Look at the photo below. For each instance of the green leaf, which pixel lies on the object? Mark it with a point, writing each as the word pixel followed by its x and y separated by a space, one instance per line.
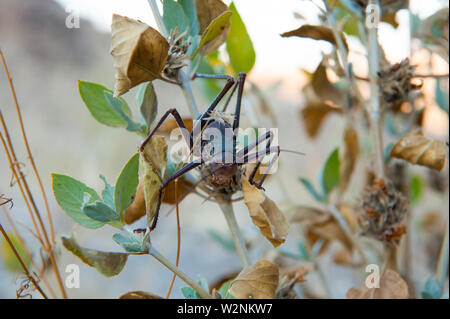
pixel 224 290
pixel 190 12
pixel 214 29
pixel 203 283
pixel 126 184
pixel 93 96
pixel 415 189
pixel 311 189
pixel 189 293
pixel 173 16
pixel 107 263
pixel 239 45
pixel 117 104
pixel 431 289
pixel 329 178
pixel 107 193
pixel 101 212
pixel 441 97
pixel 70 195
pixel 148 103
pixel 130 243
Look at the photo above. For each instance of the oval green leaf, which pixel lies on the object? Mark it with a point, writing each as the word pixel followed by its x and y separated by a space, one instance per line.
pixel 70 195
pixel 239 45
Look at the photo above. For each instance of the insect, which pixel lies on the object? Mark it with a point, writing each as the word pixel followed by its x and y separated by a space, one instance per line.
pixel 214 139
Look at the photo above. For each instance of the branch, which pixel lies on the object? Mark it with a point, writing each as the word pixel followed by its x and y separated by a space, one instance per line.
pixel 22 264
pixel 163 260
pixel 236 234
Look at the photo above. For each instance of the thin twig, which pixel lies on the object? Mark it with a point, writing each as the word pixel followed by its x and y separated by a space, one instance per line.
pixel 236 234
pixel 22 264
pixel 442 268
pixel 346 228
pixel 178 239
pixel 27 251
pixel 163 260
pixel 12 160
pixel 374 109
pixel 27 147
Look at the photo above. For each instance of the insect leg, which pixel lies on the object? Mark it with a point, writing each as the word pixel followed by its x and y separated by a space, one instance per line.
pixel 180 123
pixel 166 182
pixel 266 173
pixel 243 153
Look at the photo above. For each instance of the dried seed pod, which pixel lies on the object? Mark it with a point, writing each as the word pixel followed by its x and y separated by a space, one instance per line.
pixel 396 82
pixel 397 173
pixel 178 47
pixel 383 213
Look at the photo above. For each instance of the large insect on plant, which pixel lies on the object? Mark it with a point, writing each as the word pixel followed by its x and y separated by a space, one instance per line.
pixel 219 159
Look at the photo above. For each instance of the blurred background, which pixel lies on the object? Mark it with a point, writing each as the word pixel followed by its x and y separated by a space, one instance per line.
pixel 46 59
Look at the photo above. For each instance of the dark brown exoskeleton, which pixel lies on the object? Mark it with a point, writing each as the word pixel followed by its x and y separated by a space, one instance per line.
pixel 219 162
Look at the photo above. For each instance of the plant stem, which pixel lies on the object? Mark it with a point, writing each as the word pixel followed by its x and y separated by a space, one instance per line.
pixel 22 264
pixel 184 80
pixel 158 18
pixel 441 271
pixel 374 109
pixel 346 228
pixel 185 86
pixel 163 260
pixel 236 234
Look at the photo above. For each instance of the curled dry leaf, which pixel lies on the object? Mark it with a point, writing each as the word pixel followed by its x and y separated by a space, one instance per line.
pixel 348 162
pixel 208 10
pixel 139 53
pixel 392 286
pixel 316 32
pixel 153 161
pixel 214 19
pixel 107 263
pixel 265 214
pixel 137 208
pixel 323 225
pixel 259 281
pixel 418 149
pixel 139 295
pixel 215 34
pixel 323 88
pixel 314 114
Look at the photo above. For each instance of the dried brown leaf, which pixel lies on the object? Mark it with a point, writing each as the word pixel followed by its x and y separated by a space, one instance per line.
pixel 215 34
pixel 316 32
pixel 348 162
pixel 322 224
pixel 208 10
pixel 139 53
pixel 153 161
pixel 139 295
pixel 137 208
pixel 418 149
pixel 259 281
pixel 392 286
pixel 265 214
pixel 323 88
pixel 313 116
